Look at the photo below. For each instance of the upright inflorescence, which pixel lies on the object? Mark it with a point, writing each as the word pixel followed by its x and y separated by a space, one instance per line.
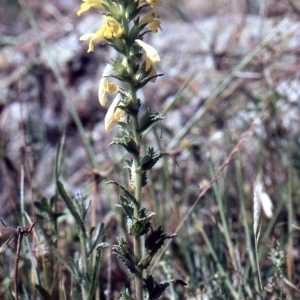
pixel 125 23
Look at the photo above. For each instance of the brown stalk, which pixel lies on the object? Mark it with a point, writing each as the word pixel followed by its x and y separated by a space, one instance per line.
pixel 21 232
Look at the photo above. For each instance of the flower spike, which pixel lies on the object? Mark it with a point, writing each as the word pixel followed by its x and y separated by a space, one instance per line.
pixel 124 25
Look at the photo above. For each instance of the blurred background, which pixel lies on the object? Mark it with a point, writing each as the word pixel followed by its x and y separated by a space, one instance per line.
pixel 225 63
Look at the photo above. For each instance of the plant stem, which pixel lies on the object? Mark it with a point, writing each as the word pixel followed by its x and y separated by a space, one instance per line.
pixel 138 280
pixel 20 238
pixel 138 196
pixel 257 264
pixel 82 238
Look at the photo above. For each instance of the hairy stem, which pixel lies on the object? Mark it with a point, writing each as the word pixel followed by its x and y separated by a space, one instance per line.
pixel 138 196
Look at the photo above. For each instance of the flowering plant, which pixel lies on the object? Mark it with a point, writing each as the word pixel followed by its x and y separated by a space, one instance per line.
pixel 124 29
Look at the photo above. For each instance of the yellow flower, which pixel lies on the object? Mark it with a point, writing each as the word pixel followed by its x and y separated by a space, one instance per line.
pixel 152 55
pixel 153 26
pixel 88 4
pixel 114 114
pixel 149 19
pixel 110 29
pixel 152 3
pixel 106 87
pixel 92 37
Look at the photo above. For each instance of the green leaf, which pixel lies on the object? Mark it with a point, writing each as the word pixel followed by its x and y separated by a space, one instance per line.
pixel 145 262
pixel 81 204
pixel 141 74
pixel 128 105
pixel 155 289
pixel 98 234
pixel 132 8
pixel 127 141
pixel 135 30
pixel 142 83
pixel 127 193
pixel 128 207
pixel 150 159
pixel 70 206
pixel 142 225
pixel 96 271
pixel 112 9
pixel 147 119
pixel 124 252
pixel 59 156
pixel 119 44
pixel 143 214
pixel 126 127
pixel 152 243
pixel 123 74
pixel 156 239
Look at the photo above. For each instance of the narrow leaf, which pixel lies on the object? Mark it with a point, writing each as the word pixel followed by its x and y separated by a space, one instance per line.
pixel 128 194
pixel 96 272
pixel 70 206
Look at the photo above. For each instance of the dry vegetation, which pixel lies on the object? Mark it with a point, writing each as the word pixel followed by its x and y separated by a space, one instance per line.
pixel 230 93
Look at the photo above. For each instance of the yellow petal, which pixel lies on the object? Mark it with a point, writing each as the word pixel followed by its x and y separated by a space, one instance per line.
pixel 88 4
pixel 152 55
pixel 119 115
pixel 102 95
pixel 109 120
pixel 111 28
pixel 106 87
pixel 94 3
pixel 87 36
pixel 152 3
pixel 153 26
pixel 149 17
pixel 84 7
pixel 92 37
pixel 110 87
